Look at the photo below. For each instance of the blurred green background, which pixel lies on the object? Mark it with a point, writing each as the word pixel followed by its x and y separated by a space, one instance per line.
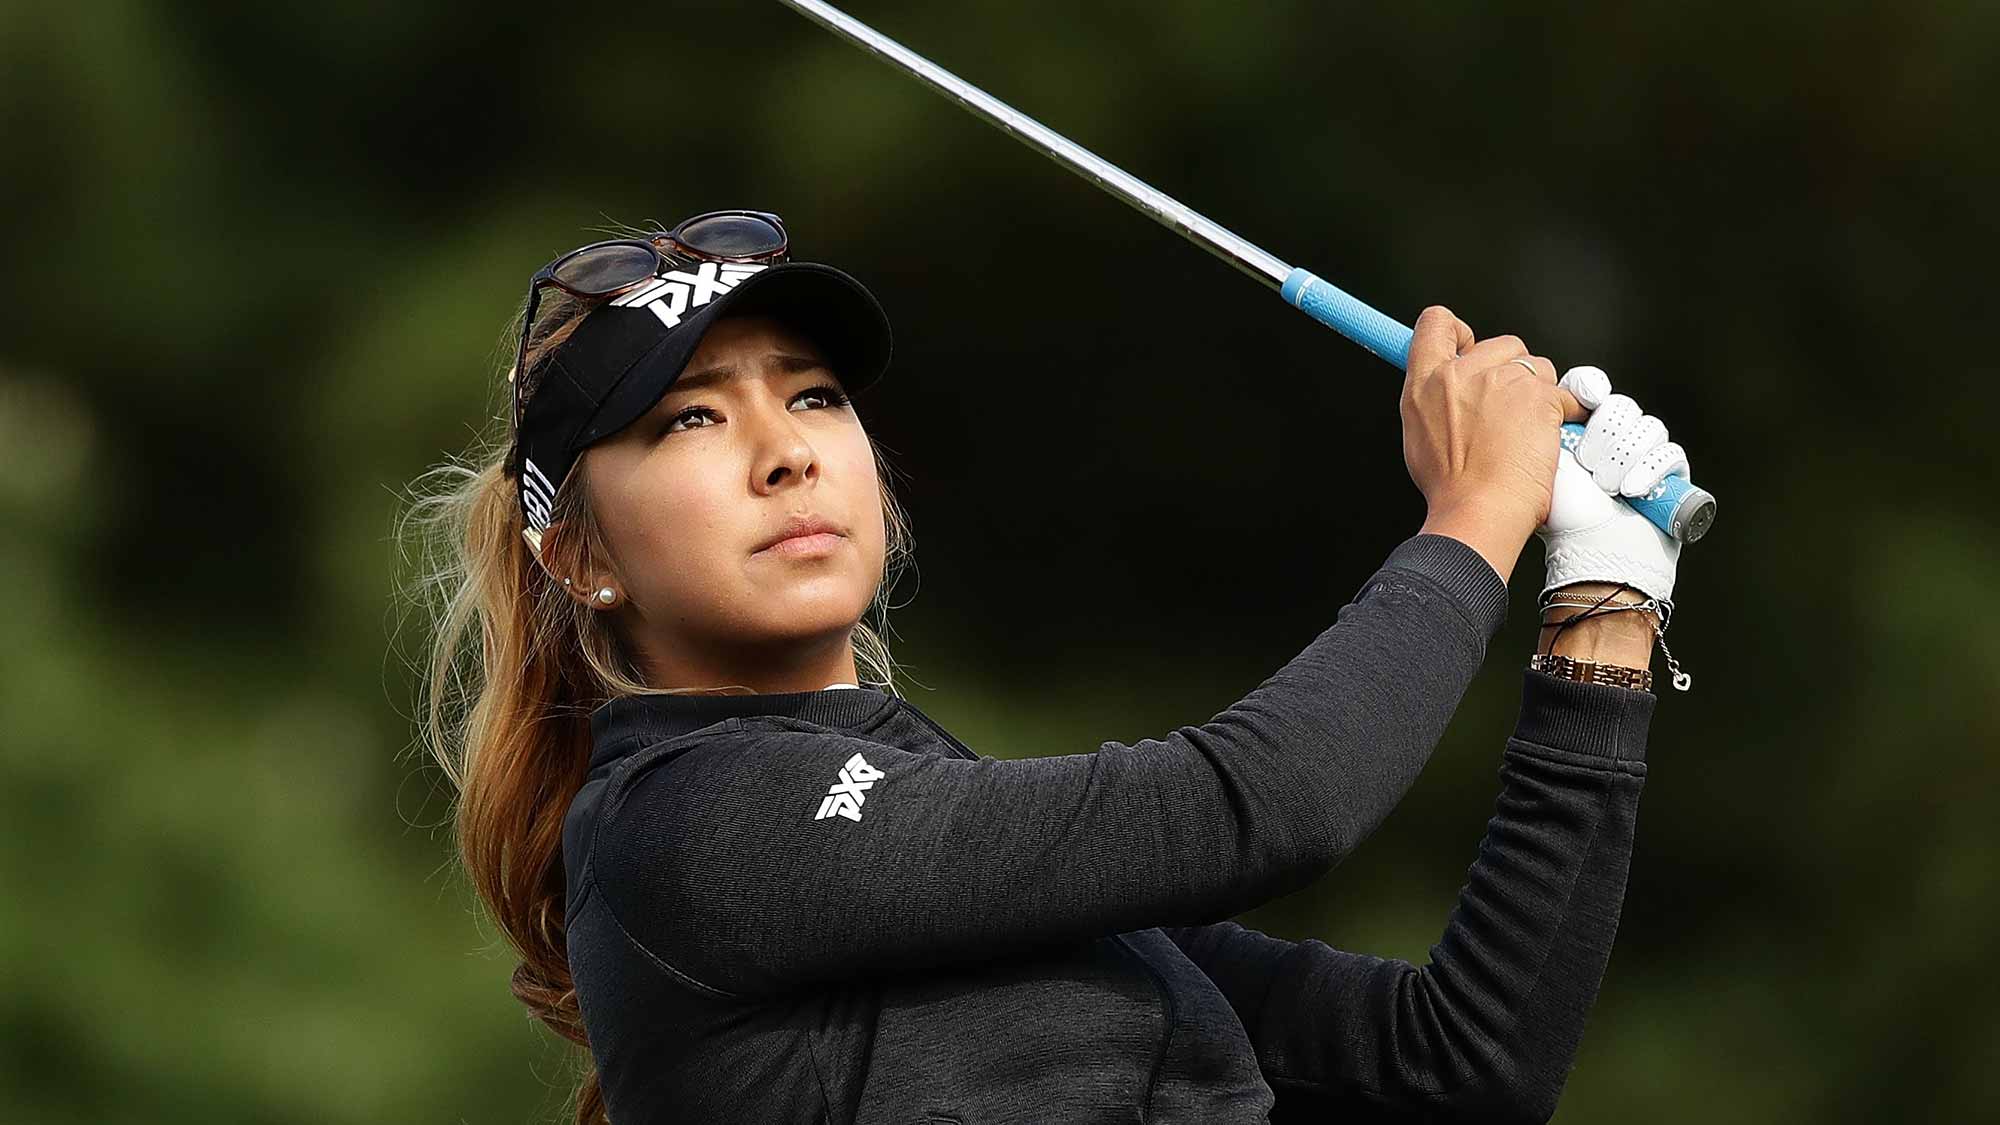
pixel 260 263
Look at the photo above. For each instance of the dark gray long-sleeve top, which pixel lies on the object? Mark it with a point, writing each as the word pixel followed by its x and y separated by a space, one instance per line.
pixel 821 907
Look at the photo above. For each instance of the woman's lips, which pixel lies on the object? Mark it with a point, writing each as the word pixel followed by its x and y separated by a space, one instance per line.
pixel 804 546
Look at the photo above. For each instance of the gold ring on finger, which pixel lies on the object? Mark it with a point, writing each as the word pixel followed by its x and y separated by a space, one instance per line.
pixel 1526 364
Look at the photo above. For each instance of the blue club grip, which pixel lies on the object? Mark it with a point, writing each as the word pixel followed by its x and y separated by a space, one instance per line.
pixel 1675 506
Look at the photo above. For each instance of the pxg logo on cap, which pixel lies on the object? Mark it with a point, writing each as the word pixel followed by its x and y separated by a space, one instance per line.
pixel 672 294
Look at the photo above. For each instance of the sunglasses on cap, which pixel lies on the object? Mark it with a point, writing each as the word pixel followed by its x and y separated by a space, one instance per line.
pixel 607 269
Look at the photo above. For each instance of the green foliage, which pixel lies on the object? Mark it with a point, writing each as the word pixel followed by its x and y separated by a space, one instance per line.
pixel 261 264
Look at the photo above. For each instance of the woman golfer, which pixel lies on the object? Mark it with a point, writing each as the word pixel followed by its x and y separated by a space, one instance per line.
pixel 760 886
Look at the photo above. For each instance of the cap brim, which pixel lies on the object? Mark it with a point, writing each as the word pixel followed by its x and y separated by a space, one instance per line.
pixel 827 306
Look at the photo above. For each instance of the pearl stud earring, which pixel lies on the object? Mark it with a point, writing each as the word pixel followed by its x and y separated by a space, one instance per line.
pixel 607 595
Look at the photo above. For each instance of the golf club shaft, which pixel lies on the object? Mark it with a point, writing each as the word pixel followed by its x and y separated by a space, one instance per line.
pixel 1676 507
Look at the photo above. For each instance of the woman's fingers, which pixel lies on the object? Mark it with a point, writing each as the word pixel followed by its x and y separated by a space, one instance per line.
pixel 1573 409
pixel 1623 453
pixel 1655 465
pixel 1589 385
pixel 1616 440
pixel 1542 371
pixel 1625 448
pixel 1492 352
pixel 1439 336
pixel 1604 439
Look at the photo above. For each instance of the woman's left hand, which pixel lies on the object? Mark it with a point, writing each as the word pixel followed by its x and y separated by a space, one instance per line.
pixel 1591 535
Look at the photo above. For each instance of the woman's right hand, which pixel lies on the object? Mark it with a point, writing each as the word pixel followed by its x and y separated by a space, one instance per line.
pixel 1481 433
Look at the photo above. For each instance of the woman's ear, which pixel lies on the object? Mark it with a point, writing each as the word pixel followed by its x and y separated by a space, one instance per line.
pixel 549 547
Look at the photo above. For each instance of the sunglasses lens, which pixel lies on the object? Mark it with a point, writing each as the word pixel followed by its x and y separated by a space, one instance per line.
pixel 732 236
pixel 601 269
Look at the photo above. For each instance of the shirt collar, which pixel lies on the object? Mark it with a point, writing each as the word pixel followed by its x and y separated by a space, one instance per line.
pixel 631 721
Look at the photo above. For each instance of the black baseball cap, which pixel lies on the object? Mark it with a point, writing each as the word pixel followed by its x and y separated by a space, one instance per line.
pixel 627 352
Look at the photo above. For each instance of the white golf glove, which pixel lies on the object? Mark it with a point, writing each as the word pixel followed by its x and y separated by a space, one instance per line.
pixel 1591 535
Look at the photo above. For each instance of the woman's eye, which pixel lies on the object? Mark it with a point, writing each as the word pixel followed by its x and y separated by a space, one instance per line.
pixel 689 414
pixel 825 392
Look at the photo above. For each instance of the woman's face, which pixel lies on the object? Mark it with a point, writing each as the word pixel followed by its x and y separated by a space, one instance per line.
pixel 690 494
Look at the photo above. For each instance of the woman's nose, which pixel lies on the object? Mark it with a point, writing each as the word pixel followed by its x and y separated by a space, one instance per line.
pixel 783 453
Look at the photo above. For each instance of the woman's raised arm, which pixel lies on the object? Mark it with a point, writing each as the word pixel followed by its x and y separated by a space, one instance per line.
pixel 709 851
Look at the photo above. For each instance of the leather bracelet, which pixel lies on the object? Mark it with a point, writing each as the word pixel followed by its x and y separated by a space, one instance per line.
pixel 1591 672
pixel 1659 612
